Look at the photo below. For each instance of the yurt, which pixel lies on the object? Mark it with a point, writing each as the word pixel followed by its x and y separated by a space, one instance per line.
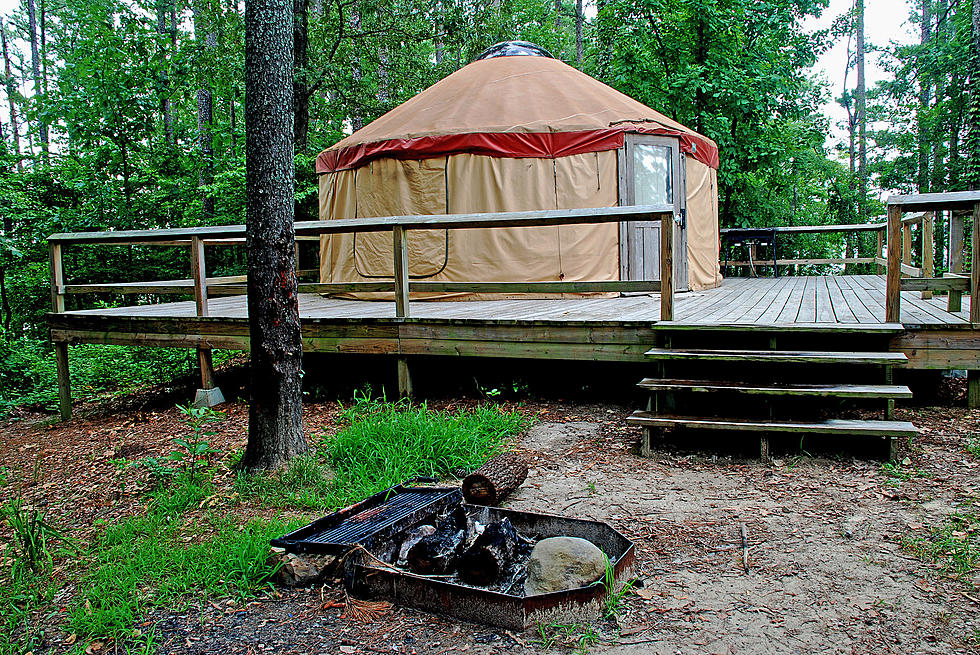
pixel 518 130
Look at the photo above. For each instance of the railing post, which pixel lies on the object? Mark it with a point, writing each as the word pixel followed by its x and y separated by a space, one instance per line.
pixel 907 244
pixel 928 249
pixel 881 250
pixel 60 347
pixel 955 302
pixel 667 267
pixel 209 394
pixel 893 276
pixel 400 247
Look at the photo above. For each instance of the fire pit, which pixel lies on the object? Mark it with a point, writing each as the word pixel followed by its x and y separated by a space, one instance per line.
pixel 370 538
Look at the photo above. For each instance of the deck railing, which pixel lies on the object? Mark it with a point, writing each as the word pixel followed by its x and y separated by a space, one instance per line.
pixel 899 258
pixel 773 233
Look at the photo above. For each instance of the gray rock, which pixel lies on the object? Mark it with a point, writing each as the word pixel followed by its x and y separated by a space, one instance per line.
pixel 299 570
pixel 559 563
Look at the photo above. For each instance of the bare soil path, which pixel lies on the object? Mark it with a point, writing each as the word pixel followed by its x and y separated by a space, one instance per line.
pixel 830 568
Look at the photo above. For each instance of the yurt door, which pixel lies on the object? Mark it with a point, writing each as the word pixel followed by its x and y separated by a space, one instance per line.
pixel 651 172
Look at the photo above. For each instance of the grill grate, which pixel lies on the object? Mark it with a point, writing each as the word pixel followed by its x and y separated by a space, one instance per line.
pixel 370 521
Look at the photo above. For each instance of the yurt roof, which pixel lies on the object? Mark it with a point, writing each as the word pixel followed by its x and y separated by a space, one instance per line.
pixel 510 106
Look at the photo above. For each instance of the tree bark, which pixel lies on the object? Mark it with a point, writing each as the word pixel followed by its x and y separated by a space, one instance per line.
pixel 925 34
pixel 579 17
pixel 495 480
pixel 9 80
pixel 301 93
pixel 275 425
pixel 861 111
pixel 205 111
pixel 164 9
pixel 42 126
pixel 483 563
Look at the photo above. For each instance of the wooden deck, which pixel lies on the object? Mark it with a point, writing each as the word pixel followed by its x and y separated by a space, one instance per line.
pixel 599 328
pixel 848 300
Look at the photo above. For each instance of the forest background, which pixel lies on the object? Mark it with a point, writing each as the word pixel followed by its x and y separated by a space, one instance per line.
pixel 128 114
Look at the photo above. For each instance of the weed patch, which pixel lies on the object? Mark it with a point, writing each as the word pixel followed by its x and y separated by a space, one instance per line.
pixel 954 546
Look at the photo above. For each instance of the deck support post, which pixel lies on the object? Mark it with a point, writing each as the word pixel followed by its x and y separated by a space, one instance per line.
pixel 928 249
pixel 60 347
pixel 973 389
pixel 893 276
pixel 975 268
pixel 667 267
pixel 400 247
pixel 64 379
pixel 955 302
pixel 209 394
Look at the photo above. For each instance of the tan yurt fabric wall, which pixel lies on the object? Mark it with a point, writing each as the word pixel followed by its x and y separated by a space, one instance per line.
pixel 467 183
pixel 703 239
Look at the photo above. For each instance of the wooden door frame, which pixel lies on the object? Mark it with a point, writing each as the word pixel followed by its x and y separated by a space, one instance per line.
pixel 627 196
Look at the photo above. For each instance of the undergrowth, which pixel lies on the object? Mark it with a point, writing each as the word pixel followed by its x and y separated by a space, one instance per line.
pixel 954 546
pixel 28 374
pixel 382 444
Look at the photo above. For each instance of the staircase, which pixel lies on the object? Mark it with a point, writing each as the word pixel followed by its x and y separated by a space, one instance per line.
pixel 772 380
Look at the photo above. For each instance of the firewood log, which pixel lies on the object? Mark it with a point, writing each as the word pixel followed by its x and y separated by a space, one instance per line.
pixel 437 553
pixel 495 480
pixel 483 563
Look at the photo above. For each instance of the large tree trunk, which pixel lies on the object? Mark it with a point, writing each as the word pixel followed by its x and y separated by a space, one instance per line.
pixel 42 126
pixel 301 92
pixel 164 10
pixel 275 422
pixel 9 80
pixel 925 34
pixel 862 116
pixel 205 111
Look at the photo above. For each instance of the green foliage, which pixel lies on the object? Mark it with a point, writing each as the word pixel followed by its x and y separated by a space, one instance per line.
pixel 387 443
pixel 159 558
pixel 195 451
pixel 34 536
pixel 20 598
pixel 382 445
pixel 954 546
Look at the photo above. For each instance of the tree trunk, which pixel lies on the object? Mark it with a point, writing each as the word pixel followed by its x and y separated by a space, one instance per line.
pixel 579 17
pixel 9 80
pixel 164 8
pixel 973 134
pixel 925 33
pixel 42 126
pixel 495 480
pixel 205 112
pixel 557 14
pixel 301 93
pixel 8 233
pixel 275 422
pixel 938 173
pixel 862 117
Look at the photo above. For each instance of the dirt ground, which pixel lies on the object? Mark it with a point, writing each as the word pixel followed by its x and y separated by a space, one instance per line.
pixel 827 571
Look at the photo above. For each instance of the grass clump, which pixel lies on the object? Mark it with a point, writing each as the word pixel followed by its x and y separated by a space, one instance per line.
pixel 954 546
pixel 158 559
pixel 381 444
pixel 387 443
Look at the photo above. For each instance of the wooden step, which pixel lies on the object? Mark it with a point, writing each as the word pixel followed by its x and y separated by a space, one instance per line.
pixel 756 328
pixel 779 356
pixel 836 427
pixel 882 391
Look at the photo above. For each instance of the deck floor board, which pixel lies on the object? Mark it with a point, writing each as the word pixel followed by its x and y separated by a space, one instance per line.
pixel 848 299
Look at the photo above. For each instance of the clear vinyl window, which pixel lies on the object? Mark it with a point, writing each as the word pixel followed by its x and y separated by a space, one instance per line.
pixel 652 175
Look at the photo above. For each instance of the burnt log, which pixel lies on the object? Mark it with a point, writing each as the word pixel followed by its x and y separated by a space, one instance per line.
pixel 485 561
pixel 436 554
pixel 495 480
